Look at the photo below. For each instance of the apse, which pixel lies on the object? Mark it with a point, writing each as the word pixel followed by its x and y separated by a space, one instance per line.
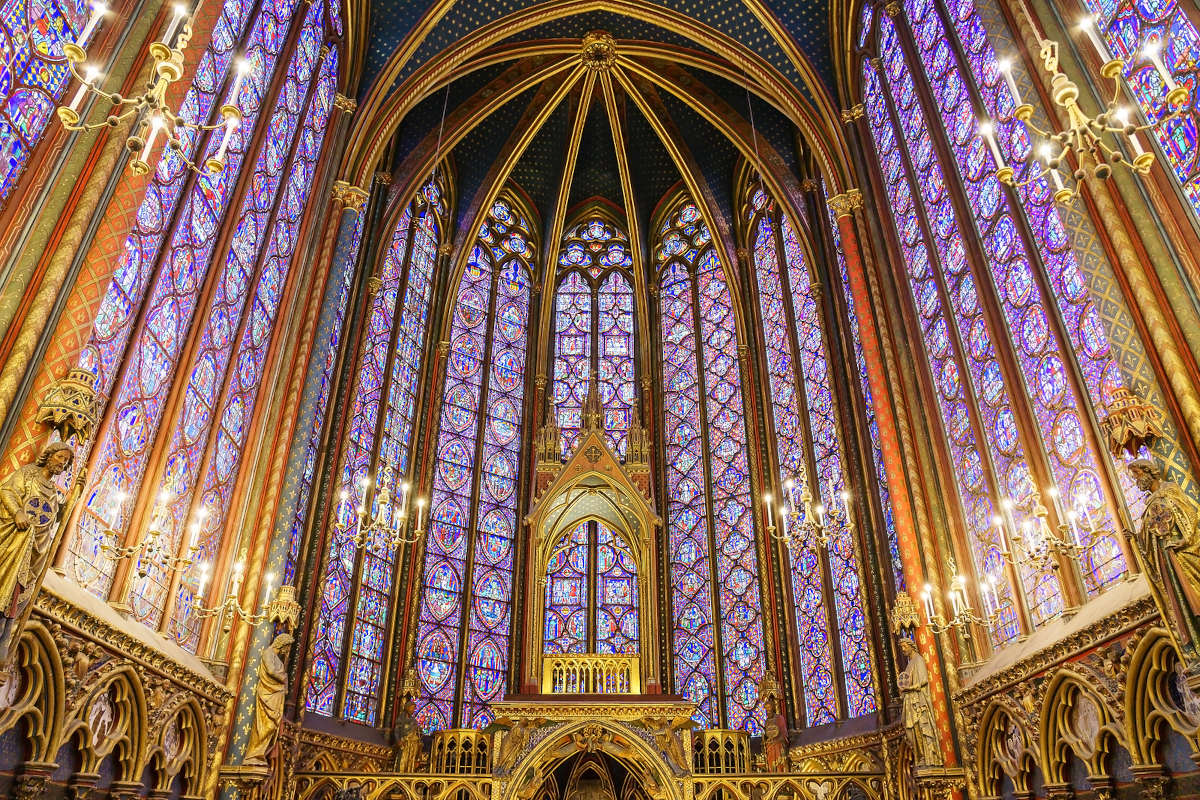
pixel 627 400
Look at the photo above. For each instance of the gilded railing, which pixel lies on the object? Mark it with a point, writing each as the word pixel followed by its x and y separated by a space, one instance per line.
pixel 720 752
pixel 591 673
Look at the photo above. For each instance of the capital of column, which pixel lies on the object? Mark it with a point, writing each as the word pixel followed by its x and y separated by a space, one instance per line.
pixel 892 8
pixel 809 185
pixel 343 103
pixel 351 197
pixel 854 112
pixel 384 178
pixel 846 203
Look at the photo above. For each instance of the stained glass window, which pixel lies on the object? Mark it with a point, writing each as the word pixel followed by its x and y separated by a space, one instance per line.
pixel 135 412
pixel 944 358
pixel 591 593
pixel 241 270
pixel 33 76
pixel 372 484
pixel 1128 27
pixel 465 608
pixel 990 374
pixel 806 418
pixel 593 331
pixel 1044 357
pixel 187 489
pixel 717 638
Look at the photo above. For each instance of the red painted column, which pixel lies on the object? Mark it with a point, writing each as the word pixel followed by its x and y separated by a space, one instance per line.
pixel 844 206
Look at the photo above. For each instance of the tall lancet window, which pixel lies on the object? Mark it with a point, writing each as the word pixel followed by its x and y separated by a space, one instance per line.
pixel 466 601
pixel 182 337
pixel 374 475
pixel 591 593
pixel 1014 344
pixel 717 635
pixel 835 659
pixel 593 330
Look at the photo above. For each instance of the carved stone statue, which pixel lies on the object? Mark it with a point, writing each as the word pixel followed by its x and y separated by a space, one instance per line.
pixel 30 521
pixel 514 742
pixel 1168 542
pixel 666 735
pixel 917 708
pixel 407 738
pixel 268 700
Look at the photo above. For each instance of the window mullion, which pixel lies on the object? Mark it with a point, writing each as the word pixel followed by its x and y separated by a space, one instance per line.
pixel 709 506
pixel 485 385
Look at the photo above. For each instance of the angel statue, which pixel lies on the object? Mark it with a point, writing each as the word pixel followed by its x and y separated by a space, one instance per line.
pixel 514 741
pixel 666 735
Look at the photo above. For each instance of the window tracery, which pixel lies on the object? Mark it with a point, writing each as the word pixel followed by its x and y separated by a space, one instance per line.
pixel 174 432
pixel 594 330
pixel 464 619
pixel 718 637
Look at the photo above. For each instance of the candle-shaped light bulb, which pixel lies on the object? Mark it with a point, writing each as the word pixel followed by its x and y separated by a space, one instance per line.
pixel 241 68
pixel 420 512
pixel 819 510
pixel 1073 521
pixel 98 12
pixel 1153 52
pixel 1135 141
pixel 156 126
pixel 1047 155
pixel 988 131
pixel 1090 25
pixel 231 125
pixel 1056 496
pixel 90 75
pixel 178 13
pixel 1005 66
pixel 202 580
pixel 927 597
pixel 404 487
pixel 268 582
pixel 790 486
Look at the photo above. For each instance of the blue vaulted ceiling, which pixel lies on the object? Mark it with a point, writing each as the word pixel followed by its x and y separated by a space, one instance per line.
pixel 806 21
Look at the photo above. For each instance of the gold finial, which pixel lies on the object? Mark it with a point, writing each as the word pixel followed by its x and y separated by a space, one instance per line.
pixel 1130 423
pixel 70 405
